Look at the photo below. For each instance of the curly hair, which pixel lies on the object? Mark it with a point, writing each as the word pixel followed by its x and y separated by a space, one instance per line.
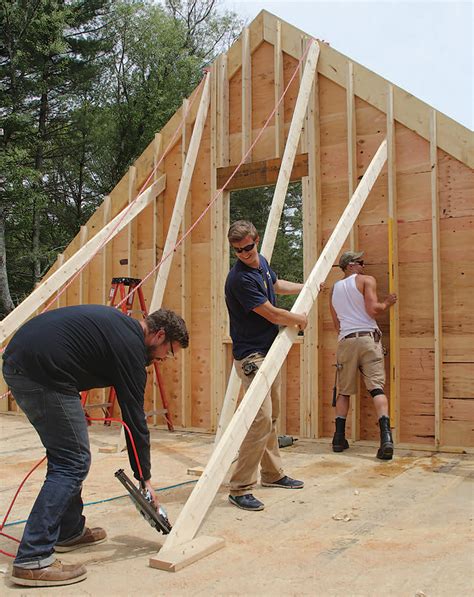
pixel 240 229
pixel 172 324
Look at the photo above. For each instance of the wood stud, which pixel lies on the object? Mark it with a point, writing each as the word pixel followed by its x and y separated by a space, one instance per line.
pixel 394 353
pixel 246 95
pixel 435 237
pixel 186 281
pixel 351 186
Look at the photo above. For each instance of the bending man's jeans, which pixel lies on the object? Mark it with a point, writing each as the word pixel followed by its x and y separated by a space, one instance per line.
pixel 57 512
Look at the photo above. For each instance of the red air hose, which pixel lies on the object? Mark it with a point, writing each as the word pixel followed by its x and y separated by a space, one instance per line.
pixel 135 453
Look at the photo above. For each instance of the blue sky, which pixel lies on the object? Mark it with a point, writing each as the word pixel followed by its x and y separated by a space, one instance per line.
pixel 423 46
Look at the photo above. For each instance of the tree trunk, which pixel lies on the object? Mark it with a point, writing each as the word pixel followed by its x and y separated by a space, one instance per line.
pixel 35 242
pixel 6 303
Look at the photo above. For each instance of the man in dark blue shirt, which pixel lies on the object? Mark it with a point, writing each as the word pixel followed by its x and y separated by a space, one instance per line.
pixel 254 319
pixel 47 363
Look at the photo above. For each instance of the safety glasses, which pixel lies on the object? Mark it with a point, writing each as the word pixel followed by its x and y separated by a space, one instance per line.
pixel 247 248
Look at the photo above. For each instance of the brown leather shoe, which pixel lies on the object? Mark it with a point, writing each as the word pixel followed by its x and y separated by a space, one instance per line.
pixel 89 537
pixel 50 576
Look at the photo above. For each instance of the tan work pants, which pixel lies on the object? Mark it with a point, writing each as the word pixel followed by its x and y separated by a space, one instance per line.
pixel 260 446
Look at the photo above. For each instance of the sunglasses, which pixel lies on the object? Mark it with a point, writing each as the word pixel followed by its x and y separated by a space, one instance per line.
pixel 247 248
pixel 359 261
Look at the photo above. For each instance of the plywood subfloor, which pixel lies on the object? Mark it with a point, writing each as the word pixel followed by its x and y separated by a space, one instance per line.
pixel 359 527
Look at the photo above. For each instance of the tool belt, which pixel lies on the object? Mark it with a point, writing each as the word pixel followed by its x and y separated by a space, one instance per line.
pixel 376 335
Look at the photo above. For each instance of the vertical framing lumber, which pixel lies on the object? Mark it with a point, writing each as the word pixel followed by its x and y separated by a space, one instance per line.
pixel 394 356
pixel 217 348
pixel 219 226
pixel 83 276
pixel 308 350
pixel 230 394
pixel 106 252
pixel 132 228
pixel 183 189
pixel 196 507
pixel 281 425
pixel 43 292
pixel 186 265
pixel 435 238
pixel 59 300
pixel 311 187
pixel 106 269
pixel 351 145
pixel 278 90
pixel 223 152
pixel 351 186
pixel 246 94
pixel 157 150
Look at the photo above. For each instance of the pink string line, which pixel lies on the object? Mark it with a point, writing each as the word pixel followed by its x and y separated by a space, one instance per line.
pixel 221 190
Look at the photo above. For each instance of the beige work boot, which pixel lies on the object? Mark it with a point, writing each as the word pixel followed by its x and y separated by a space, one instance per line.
pixel 55 575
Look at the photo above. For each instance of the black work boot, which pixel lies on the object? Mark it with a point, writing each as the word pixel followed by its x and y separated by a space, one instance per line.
pixel 385 452
pixel 339 441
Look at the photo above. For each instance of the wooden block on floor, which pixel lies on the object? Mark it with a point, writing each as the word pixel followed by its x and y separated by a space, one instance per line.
pixel 183 555
pixel 196 471
pixel 108 449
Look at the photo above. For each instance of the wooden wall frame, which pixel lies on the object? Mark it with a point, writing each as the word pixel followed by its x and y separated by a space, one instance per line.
pixel 413 227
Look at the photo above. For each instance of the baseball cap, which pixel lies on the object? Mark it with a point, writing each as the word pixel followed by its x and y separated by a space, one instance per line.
pixel 349 256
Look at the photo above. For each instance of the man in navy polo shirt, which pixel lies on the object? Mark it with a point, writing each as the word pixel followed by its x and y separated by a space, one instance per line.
pixel 254 319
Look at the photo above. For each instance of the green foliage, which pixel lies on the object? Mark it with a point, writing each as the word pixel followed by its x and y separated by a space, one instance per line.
pixel 287 260
pixel 84 86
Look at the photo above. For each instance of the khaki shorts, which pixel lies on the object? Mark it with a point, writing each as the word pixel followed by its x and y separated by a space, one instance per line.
pixel 361 353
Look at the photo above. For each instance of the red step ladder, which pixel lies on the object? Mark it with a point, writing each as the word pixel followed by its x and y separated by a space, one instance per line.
pixel 133 288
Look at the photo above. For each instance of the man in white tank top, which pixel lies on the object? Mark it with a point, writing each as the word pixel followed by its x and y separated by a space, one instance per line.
pixel 354 305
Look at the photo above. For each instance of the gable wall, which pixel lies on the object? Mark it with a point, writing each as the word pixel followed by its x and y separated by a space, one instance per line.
pixel 192 383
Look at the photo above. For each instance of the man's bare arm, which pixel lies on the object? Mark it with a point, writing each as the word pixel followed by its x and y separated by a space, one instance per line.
pixel 335 319
pixel 281 316
pixel 286 287
pixel 372 304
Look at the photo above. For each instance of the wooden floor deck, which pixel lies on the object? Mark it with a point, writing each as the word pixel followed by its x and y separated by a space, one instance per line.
pixel 359 527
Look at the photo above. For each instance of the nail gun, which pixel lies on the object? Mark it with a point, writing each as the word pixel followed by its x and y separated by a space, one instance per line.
pixel 143 502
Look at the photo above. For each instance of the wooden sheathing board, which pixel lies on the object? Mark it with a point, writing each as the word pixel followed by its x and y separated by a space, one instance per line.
pixel 456 207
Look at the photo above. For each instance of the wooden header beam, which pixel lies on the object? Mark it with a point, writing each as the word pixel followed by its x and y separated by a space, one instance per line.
pixel 260 174
pixel 192 515
pixel 41 294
